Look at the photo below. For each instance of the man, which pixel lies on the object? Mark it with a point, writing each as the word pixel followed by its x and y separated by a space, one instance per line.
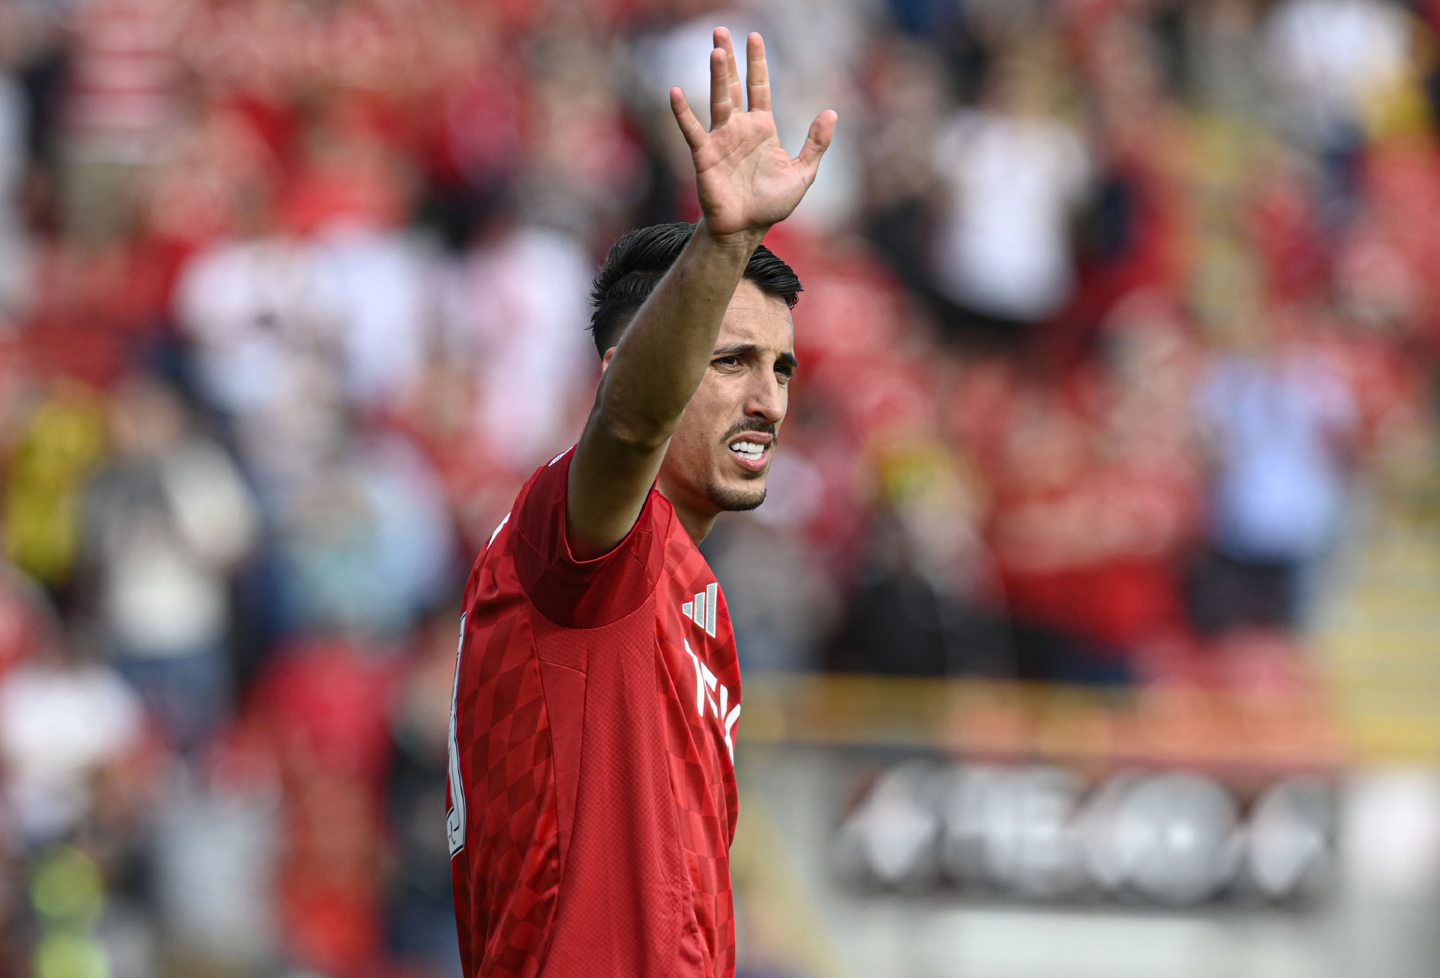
pixel 592 794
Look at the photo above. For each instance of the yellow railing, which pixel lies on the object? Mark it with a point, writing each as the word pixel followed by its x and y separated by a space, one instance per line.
pixel 1181 726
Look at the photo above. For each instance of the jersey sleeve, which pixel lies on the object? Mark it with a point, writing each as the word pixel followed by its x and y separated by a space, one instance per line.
pixel 583 593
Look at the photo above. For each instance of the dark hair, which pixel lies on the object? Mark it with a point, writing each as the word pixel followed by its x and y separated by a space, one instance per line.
pixel 641 258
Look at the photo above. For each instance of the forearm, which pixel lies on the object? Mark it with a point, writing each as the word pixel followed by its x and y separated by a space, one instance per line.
pixel 665 350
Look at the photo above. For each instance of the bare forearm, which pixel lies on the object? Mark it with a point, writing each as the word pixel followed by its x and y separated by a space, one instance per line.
pixel 664 351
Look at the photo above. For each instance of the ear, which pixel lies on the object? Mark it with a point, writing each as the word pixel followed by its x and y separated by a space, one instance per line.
pixel 605 360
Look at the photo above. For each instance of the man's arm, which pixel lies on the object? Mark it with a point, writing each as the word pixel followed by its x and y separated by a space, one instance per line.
pixel 746 183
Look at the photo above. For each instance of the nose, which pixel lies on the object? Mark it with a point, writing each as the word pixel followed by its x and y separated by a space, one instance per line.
pixel 767 398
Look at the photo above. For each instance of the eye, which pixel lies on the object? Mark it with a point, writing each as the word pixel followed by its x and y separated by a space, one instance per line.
pixel 785 372
pixel 729 361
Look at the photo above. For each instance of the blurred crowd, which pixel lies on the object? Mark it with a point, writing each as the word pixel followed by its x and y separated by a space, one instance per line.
pixel 1115 311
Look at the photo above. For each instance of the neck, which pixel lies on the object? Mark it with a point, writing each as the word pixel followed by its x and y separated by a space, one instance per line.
pixel 697 523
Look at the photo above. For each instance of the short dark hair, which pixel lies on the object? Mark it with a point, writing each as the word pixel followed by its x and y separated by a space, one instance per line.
pixel 641 258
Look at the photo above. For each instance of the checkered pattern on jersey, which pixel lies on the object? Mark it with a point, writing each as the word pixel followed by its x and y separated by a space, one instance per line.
pixel 701 772
pixel 701 807
pixel 513 842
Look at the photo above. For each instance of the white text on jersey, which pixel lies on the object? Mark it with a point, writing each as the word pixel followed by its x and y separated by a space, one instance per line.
pixel 707 686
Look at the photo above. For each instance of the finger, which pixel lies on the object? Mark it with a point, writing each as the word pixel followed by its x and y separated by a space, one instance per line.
pixel 690 126
pixel 817 141
pixel 720 101
pixel 757 73
pixel 732 68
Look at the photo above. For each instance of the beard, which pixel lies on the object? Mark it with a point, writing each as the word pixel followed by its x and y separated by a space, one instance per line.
pixel 742 499
pixel 731 499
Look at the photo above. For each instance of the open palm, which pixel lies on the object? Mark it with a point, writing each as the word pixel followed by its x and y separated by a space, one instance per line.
pixel 744 178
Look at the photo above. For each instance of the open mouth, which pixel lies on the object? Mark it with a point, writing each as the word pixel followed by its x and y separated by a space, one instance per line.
pixel 750 451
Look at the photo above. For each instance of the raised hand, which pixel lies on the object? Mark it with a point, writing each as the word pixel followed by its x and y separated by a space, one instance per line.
pixel 745 180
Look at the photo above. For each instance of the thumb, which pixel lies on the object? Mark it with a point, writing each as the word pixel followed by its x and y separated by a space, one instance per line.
pixel 817 141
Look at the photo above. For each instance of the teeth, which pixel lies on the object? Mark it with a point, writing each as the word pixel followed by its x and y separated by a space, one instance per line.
pixel 748 449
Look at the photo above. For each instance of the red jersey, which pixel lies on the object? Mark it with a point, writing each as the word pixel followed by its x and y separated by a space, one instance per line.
pixel 592 791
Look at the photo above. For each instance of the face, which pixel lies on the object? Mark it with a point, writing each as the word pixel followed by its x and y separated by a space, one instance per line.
pixel 720 454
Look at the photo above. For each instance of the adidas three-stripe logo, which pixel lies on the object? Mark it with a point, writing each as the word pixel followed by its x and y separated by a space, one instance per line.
pixel 701 609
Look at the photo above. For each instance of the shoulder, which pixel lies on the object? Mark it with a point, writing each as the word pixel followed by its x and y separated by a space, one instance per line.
pixel 585 593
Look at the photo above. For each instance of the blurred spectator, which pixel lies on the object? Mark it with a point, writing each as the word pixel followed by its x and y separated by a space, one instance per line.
pixel 259 317
pixel 906 88
pixel 212 866
pixel 1096 502
pixel 583 161
pixel 1221 55
pixel 14 281
pixel 65 719
pixel 123 94
pixel 420 922
pixel 1133 232
pixel 366 544
pixel 1331 61
pixel 924 602
pixel 1281 434
pixel 58 443
pixel 1014 176
pixel 531 382
pixel 167 520
pixel 320 716
pixel 28 621
pixel 783 606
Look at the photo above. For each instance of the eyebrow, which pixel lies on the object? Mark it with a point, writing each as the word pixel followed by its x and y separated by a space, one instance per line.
pixel 786 359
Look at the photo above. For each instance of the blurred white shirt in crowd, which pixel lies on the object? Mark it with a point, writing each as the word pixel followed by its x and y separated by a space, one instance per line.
pixel 59 725
pixel 1331 55
pixel 1280 427
pixel 265 313
pixel 1002 244
pixel 518 312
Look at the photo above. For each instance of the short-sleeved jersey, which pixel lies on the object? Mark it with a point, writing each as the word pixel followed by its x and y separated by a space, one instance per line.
pixel 592 788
